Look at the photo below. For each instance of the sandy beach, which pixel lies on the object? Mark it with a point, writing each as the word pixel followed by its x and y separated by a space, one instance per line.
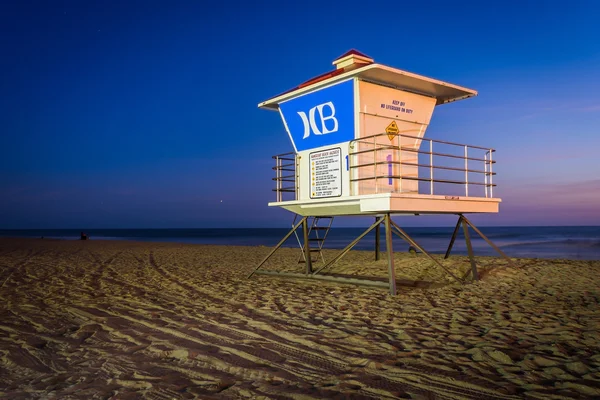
pixel 127 320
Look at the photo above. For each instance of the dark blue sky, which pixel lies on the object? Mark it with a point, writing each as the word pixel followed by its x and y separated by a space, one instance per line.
pixel 144 114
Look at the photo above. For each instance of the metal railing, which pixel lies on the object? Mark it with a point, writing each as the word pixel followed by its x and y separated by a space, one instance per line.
pixel 390 166
pixel 369 154
pixel 286 178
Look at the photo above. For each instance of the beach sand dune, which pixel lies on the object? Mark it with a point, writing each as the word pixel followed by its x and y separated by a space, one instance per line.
pixel 126 320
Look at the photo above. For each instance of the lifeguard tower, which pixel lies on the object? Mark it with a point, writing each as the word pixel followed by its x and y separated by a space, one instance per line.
pixel 359 149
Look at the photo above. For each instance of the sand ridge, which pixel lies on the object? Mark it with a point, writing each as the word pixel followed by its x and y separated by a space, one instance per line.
pixel 169 321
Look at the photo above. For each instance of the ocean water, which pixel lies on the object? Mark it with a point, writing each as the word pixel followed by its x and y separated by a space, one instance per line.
pixel 572 242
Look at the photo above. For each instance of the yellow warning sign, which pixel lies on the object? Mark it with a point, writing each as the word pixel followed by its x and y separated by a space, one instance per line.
pixel 392 130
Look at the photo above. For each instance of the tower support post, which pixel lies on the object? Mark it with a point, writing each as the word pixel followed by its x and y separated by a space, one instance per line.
pixel 307 255
pixel 469 249
pixel 390 254
pixel 377 239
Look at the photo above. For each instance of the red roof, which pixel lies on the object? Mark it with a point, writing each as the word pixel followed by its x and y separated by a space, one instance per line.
pixel 351 52
pixel 316 79
pixel 326 75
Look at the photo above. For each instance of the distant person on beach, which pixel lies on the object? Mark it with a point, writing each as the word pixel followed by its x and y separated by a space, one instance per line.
pixel 83 236
pixel 412 250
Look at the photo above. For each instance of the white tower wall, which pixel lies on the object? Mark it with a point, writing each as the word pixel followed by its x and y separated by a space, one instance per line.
pixel 381 107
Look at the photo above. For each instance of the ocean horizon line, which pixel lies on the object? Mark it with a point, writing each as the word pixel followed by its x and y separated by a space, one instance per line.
pixel 572 242
pixel 288 227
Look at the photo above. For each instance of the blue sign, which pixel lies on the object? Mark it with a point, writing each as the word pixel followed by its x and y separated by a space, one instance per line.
pixel 321 118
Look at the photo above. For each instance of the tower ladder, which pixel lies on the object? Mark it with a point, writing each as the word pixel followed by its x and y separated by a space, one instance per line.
pixel 317 233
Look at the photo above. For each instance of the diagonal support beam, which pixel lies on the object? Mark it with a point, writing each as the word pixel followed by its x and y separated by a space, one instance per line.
pixel 286 237
pixel 460 217
pixel 408 239
pixel 350 246
pixel 490 242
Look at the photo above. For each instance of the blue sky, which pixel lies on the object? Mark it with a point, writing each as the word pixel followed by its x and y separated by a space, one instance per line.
pixel 142 114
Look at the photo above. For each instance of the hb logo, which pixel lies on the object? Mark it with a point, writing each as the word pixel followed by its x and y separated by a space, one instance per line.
pixel 310 123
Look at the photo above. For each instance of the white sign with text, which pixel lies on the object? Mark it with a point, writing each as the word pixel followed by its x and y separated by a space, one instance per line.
pixel 326 173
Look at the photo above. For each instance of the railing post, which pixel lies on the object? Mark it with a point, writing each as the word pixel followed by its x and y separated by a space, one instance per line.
pixel 296 176
pixel 491 175
pixel 400 166
pixel 375 164
pixel 350 170
pixel 485 173
pixel 430 166
pixel 466 173
pixel 277 179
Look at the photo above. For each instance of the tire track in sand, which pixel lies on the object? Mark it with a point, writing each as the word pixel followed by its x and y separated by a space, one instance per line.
pixel 314 365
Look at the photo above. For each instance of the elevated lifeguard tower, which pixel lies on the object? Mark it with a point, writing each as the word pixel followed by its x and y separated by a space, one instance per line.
pixel 359 149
